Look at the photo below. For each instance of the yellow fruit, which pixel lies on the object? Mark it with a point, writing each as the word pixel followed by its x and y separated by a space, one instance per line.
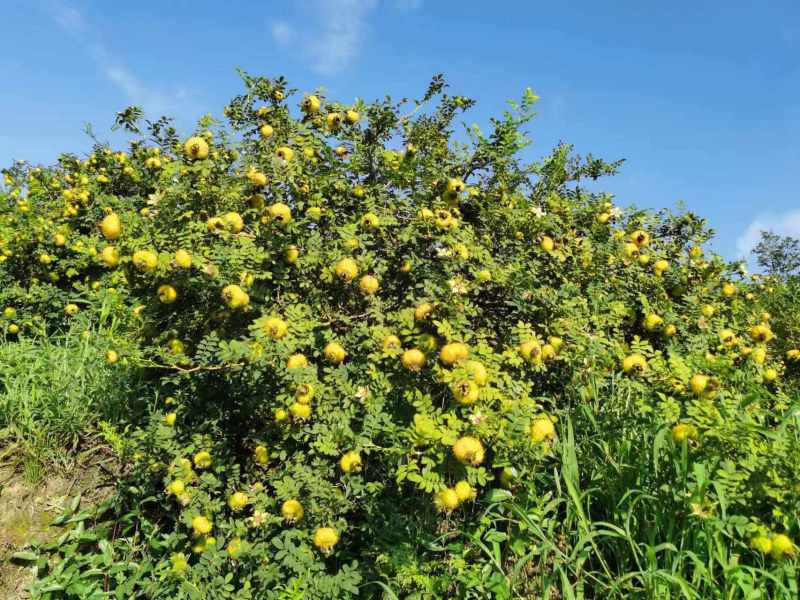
pixel 761 333
pixel 281 415
pixel 670 330
pixel 334 353
pixel 59 239
pixel 542 429
pixel 708 311
pixel 466 392
pixel 368 285
pixel 464 491
pixel 201 526
pixel 285 153
pixel 698 384
pixel 391 342
pixel 547 244
pixel 292 254
pixel 145 260
pixel 176 487
pixel 233 222
pixel 110 256
pixel 256 177
pixel 299 411
pixel 483 275
pixel 453 353
pixel 238 501
pixel 634 363
pixel 266 131
pixel 340 151
pixel 727 337
pixel 759 355
pixel 314 213
pixel 9 312
pixel 631 250
pixel 280 213
pixel 234 547
pixel 762 544
pixel 640 238
pixel 235 297
pixel 413 360
pixel 325 538
pixel 296 361
pixel 531 351
pixel 423 311
pixel 183 259
pixel 167 294
pixel 793 355
pixel 112 357
pixel 660 266
pixel 170 418
pixel 352 117
pixel 304 393
pixel 202 460
pixel 71 309
pixel 370 221
pixel 310 105
pixel 644 259
pixel 275 328
pixel 684 431
pixel 351 462
pixel 469 450
pixel 603 218
pixel 477 372
pixel 446 500
pixel 292 511
pixel 455 185
pixel 652 322
pixel 770 374
pixel 111 227
pixel 195 148
pixel 333 120
pixel 261 455
pixel 728 290
pixel 346 269
pixel 782 546
pixel 695 252
pixel 13 329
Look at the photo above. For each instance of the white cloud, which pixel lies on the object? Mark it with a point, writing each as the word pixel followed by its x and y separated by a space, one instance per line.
pixel 787 223
pixel 155 100
pixel 282 33
pixel 333 39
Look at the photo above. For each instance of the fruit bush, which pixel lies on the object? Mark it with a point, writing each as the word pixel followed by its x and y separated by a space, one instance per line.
pixel 382 358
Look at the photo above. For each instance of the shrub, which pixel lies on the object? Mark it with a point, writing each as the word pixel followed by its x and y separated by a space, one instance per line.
pixel 383 359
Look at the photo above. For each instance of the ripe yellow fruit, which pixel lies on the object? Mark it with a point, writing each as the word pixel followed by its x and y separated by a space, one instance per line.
pixel 634 364
pixel 762 544
pixel 292 254
pixel 346 269
pixel 466 392
pixel 761 333
pixel 276 328
pixel 770 374
pixel 782 546
pixel 176 487
pixel 145 260
pixel 110 256
pixel 727 337
pixel 59 239
pixel 71 309
pixel 202 460
pixel 238 501
pixel 9 312
pixel 280 213
pixel 652 322
pixel 297 361
pixel 304 393
pixel 542 429
pixel 660 267
pixel 423 311
pixel 111 227
pixel 235 297
pixel 469 450
pixel 759 355
pixel 183 259
pixel 631 250
pixel 13 329
pixel 201 525
pixel 368 285
pixel 670 330
pixel 413 360
pixel 285 153
pixel 299 411
pixel 446 500
pixel 695 252
pixel 640 238
pixel 351 462
pixel 483 275
pixel 325 538
pixel 698 384
pixel 708 311
pixel 195 148
pixel 464 491
pixel 391 342
pixel 310 105
pixel 314 213
pixel 477 372
pixel 531 351
pixel 170 418
pixel 256 177
pixel 112 357
pixel 352 117
pixel 793 355
pixel 370 221
pixel 334 353
pixel 728 290
pixel 233 222
pixel 167 294
pixel 684 431
pixel 453 353
pixel 340 151
pixel 292 511
pixel 266 131
pixel 455 185
pixel 261 455
pixel 547 244
pixel 333 120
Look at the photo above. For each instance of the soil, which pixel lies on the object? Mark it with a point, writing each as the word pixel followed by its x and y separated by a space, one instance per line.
pixel 32 496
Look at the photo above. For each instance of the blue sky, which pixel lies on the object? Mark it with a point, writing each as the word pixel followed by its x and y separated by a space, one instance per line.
pixel 701 98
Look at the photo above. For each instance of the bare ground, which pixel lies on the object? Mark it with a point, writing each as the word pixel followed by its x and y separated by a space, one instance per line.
pixel 31 497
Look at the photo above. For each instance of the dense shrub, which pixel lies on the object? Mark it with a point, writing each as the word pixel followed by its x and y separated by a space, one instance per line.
pixel 384 362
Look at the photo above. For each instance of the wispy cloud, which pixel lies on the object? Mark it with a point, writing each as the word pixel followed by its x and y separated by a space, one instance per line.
pixel 154 99
pixel 333 38
pixel 787 223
